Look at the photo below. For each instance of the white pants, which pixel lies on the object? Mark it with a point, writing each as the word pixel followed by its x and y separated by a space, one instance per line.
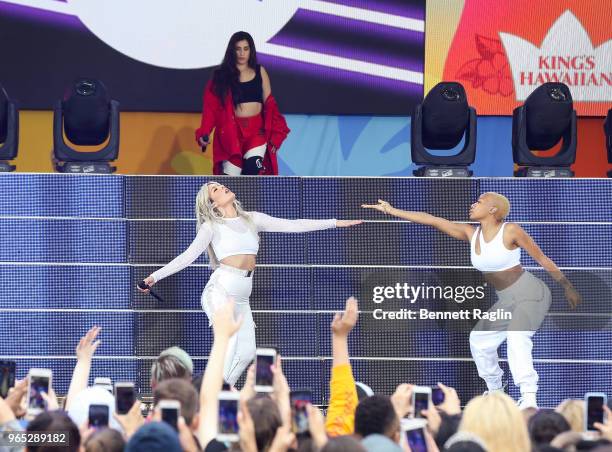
pixel 225 282
pixel 528 299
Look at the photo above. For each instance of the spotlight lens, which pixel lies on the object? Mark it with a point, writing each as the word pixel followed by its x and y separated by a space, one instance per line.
pixel 85 88
pixel 450 94
pixel 557 94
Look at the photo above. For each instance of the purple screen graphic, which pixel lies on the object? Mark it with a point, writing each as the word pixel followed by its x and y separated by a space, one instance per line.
pixel 329 57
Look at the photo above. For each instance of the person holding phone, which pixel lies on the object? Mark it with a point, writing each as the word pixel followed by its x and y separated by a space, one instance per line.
pixel 239 105
pixel 231 237
pixel 495 250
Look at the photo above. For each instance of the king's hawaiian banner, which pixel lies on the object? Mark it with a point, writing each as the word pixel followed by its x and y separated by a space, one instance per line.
pixel 502 50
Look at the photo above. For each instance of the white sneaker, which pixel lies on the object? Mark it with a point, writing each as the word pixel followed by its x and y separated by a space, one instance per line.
pixel 527 400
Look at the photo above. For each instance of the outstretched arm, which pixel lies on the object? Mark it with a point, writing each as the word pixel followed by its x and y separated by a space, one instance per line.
pixel 266 223
pixel 197 247
pixel 520 238
pixel 458 231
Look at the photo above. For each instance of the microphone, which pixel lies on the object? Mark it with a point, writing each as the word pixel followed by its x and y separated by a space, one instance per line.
pixel 144 286
pixel 205 138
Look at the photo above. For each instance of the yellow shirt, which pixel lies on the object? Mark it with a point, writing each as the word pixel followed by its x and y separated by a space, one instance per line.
pixel 342 402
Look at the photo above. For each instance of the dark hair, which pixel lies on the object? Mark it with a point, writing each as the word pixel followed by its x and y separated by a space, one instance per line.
pixel 52 422
pixel 105 440
pixel 227 76
pixel 545 425
pixel 166 367
pixel 266 418
pixel 375 414
pixel 465 446
pixel 343 443
pixel 181 390
pixel 448 427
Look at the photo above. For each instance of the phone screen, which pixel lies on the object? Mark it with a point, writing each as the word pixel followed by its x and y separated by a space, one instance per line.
pixel 98 416
pixel 125 397
pixel 170 416
pixel 299 402
pixel 264 376
pixel 595 411
pixel 416 440
pixel 7 377
pixel 38 385
pixel 437 396
pixel 228 416
pixel 421 402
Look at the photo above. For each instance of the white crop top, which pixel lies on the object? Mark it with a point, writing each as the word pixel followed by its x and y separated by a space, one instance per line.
pixel 494 256
pixel 234 236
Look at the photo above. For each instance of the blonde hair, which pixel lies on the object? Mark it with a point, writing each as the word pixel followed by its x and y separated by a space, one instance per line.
pixel 573 412
pixel 207 212
pixel 498 421
pixel 502 203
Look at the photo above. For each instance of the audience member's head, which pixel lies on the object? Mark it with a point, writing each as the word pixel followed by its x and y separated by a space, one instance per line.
pixel 53 422
pixel 528 413
pixel 266 418
pixel 183 391
pixel 465 442
pixel 545 425
pixel 573 412
pixel 343 443
pixel 173 362
pixel 498 421
pixel 105 440
pixel 376 415
pixel 94 395
pixel 154 437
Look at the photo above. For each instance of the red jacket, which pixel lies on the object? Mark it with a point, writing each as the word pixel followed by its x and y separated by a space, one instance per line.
pixel 221 117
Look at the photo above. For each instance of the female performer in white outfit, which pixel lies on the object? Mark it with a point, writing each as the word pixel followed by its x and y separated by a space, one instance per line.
pixel 230 235
pixel 495 249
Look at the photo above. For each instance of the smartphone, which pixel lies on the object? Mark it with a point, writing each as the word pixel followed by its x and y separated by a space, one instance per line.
pixel 227 429
pixel 437 396
pixel 594 403
pixel 98 416
pixel 7 377
pixel 300 400
pixel 421 396
pixel 170 412
pixel 264 379
pixel 39 382
pixel 416 439
pixel 125 397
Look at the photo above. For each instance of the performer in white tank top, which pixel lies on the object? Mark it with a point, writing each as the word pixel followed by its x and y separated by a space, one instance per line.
pixel 495 249
pixel 231 237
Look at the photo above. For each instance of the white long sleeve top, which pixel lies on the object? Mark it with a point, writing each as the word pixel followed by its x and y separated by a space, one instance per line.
pixel 233 236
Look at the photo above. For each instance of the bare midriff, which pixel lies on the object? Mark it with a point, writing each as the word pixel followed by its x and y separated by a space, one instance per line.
pixel 505 278
pixel 247 109
pixel 241 261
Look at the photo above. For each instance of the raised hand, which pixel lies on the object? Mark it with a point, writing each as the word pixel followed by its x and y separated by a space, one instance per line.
pixel 344 322
pixel 149 281
pixel 573 297
pixel 382 206
pixel 88 344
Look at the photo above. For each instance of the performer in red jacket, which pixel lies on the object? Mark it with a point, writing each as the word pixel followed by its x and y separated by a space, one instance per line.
pixel 238 104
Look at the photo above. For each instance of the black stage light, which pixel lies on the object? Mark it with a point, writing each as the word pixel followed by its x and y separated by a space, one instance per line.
pixel 440 123
pixel 9 131
pixel 546 117
pixel 88 118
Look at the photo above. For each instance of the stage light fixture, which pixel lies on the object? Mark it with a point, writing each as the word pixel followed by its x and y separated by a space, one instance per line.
pixel 87 117
pixel 441 122
pixel 9 131
pixel 546 118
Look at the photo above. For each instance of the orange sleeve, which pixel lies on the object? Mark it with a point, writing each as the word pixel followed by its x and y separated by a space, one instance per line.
pixel 342 402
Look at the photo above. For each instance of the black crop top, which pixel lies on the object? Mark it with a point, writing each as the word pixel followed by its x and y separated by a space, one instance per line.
pixel 251 91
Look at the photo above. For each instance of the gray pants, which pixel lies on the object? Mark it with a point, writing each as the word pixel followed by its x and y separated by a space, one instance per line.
pixel 226 282
pixel 528 299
